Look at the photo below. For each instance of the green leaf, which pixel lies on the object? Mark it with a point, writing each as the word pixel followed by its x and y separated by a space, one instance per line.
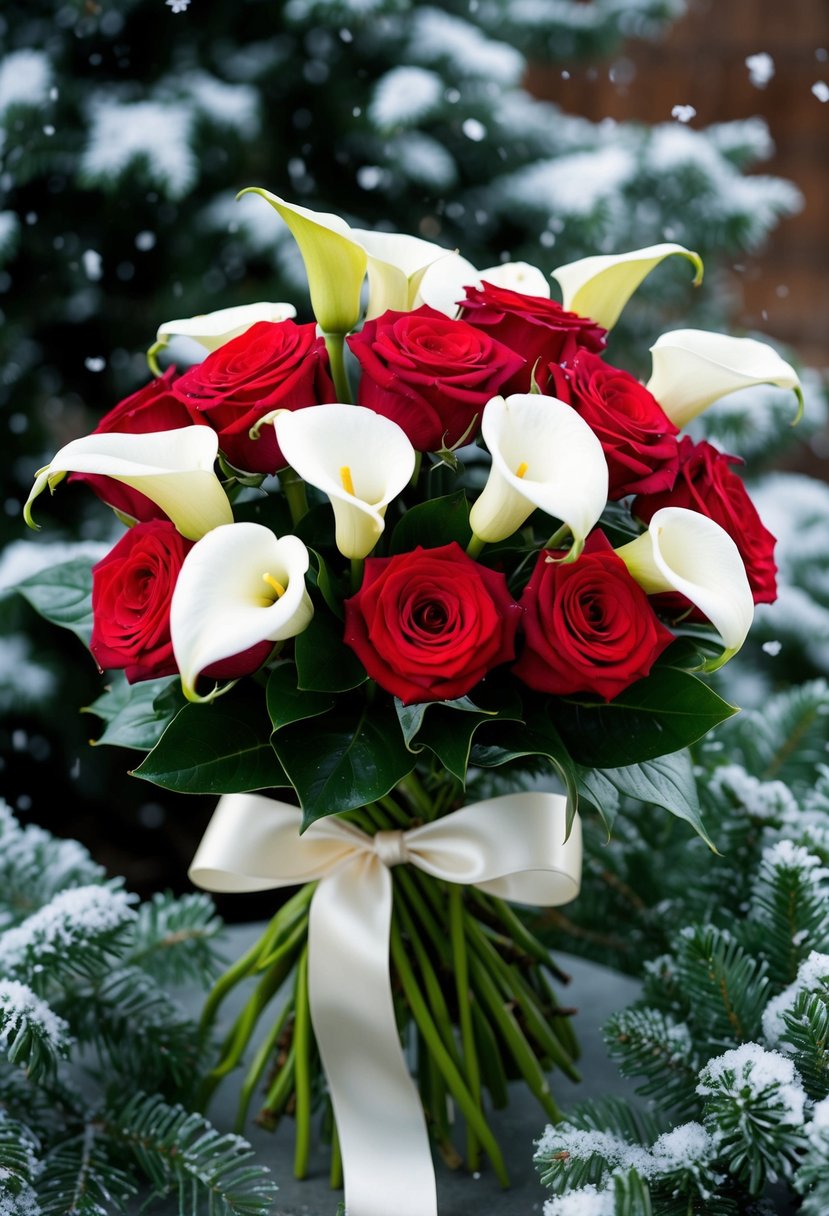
pixel 63 595
pixel 220 748
pixel 667 781
pixel 663 713
pixel 434 523
pixel 327 583
pixel 287 703
pixel 538 738
pixel 595 788
pixel 448 728
pixel 132 714
pixel 343 762
pixel 270 510
pixel 324 663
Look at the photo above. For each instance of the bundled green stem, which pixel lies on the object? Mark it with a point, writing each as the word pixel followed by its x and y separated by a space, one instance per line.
pixel 467 975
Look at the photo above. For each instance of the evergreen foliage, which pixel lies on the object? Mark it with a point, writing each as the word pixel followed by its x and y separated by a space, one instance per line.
pixel 762 779
pixel 729 1039
pixel 97 1059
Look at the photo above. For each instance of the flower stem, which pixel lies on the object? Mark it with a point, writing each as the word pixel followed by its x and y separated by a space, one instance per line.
pixel 335 1177
pixel 277 929
pixel 555 540
pixel 357 567
pixel 302 1081
pixel 471 1110
pixel 514 1037
pixel 458 938
pixel 414 792
pixel 152 361
pixel 335 344
pixel 293 487
pixel 260 1062
pixel 476 546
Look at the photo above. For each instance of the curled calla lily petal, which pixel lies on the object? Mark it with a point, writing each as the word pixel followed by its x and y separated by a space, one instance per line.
pixel 238 587
pixel 543 455
pixel 358 458
pixel 173 468
pixel 334 262
pixel 687 552
pixel 693 368
pixel 396 266
pixel 337 257
pixel 212 329
pixel 599 287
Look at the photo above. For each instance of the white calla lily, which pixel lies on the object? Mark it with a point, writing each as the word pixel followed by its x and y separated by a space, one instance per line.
pixel 239 586
pixel 338 256
pixel 334 262
pixel 543 455
pixel 173 468
pixel 687 552
pixel 358 458
pixel 692 368
pixel 396 266
pixel 518 276
pixel 599 287
pixel 444 284
pixel 212 329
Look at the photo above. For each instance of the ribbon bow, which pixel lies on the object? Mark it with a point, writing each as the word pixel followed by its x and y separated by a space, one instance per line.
pixel 513 847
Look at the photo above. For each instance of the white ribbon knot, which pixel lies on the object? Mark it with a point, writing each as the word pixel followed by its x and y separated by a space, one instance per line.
pixel 390 847
pixel 512 847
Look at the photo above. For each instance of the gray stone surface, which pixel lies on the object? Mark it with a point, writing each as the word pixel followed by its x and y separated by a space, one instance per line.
pixel 595 991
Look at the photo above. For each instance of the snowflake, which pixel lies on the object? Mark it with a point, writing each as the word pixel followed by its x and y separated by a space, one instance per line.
pixel 178 6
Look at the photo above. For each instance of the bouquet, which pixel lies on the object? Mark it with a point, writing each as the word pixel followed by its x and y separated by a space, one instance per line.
pixel 398 564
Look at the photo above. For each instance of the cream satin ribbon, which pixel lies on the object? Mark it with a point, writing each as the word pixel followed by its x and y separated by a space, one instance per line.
pixel 512 847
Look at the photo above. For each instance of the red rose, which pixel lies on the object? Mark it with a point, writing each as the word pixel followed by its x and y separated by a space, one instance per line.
pixel 537 328
pixel 429 624
pixel 706 484
pixel 152 408
pixel 589 627
pixel 429 374
pixel 131 591
pixel 273 365
pixel 637 436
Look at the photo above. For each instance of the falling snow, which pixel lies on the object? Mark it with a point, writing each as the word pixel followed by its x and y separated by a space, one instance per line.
pixel 760 69
pixel 821 90
pixel 683 113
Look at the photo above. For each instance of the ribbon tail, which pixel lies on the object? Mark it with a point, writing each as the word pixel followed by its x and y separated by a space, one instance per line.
pixel 387 1160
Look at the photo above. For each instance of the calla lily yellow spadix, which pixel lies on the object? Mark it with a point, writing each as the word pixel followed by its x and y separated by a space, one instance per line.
pixel 692 368
pixel 687 552
pixel 337 257
pixel 358 458
pixel 172 468
pixel 599 287
pixel 543 455
pixel 238 587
